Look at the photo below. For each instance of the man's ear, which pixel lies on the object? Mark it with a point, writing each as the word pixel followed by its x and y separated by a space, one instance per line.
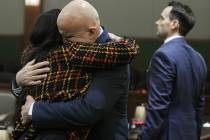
pixel 92 30
pixel 92 33
pixel 175 24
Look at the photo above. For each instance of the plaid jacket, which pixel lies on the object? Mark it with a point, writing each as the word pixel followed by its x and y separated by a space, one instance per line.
pixel 71 68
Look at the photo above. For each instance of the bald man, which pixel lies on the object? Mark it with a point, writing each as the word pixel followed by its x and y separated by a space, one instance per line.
pixel 105 105
pixel 79 22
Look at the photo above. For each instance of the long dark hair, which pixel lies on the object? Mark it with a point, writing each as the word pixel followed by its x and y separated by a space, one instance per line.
pixel 44 37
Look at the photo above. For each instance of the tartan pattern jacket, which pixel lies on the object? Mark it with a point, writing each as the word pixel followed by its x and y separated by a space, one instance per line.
pixel 71 68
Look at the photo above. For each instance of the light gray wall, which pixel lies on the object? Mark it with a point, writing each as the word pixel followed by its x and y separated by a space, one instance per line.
pixel 123 17
pixel 49 4
pixel 202 13
pixel 11 17
pixel 137 17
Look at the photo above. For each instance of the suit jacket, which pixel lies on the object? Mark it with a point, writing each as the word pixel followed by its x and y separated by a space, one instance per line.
pixel 175 81
pixel 104 108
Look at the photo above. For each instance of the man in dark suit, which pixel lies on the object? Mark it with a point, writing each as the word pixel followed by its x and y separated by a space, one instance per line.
pixel 105 105
pixel 176 78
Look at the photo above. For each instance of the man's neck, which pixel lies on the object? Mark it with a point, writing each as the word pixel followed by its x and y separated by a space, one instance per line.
pixel 169 38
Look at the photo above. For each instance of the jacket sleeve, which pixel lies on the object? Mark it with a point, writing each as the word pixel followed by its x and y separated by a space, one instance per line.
pixel 200 103
pixel 103 93
pixel 106 55
pixel 160 80
pixel 199 112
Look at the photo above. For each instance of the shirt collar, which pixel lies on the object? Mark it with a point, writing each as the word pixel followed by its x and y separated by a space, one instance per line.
pixel 103 36
pixel 101 31
pixel 171 38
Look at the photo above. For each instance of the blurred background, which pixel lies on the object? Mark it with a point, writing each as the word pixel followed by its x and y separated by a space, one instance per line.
pixel 134 18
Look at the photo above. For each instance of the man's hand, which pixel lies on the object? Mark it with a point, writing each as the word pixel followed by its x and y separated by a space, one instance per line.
pixel 114 37
pixel 32 74
pixel 25 117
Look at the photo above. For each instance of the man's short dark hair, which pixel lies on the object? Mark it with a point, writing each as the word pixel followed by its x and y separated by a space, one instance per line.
pixel 184 15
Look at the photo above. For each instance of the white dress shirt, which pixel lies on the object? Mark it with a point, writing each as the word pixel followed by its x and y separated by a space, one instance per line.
pixel 171 38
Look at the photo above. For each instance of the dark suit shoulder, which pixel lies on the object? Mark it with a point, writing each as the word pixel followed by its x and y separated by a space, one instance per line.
pixel 165 54
pixel 174 49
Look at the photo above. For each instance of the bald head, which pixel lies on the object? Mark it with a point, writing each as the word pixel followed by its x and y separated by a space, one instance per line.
pixel 78 16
